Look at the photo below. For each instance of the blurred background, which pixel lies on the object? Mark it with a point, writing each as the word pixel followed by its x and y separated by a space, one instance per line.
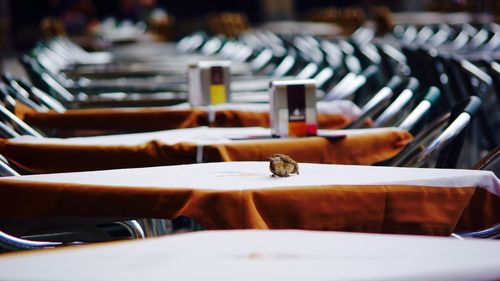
pixel 96 25
pixel 22 21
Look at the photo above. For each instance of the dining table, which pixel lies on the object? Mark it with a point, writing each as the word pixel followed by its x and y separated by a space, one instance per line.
pixel 200 144
pixel 245 195
pixel 331 115
pixel 263 255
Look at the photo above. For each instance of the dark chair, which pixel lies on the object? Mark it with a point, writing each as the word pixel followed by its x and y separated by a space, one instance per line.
pixel 491 163
pixel 19 125
pixel 351 84
pixel 397 108
pixel 20 94
pixel 412 121
pixel 489 233
pixel 448 144
pixel 7 132
pixel 40 241
pixel 378 102
pixel 40 96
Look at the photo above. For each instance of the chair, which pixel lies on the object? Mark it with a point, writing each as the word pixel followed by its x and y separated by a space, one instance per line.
pixel 479 83
pixel 286 66
pixel 56 89
pixel 421 110
pixel 12 243
pixel 20 94
pixel 324 78
pixel 261 61
pixel 333 54
pixel 449 143
pixel 19 125
pixel 212 46
pixel 7 132
pixel 367 53
pixel 6 99
pixel 491 163
pixel 192 42
pixel 489 233
pixel 398 106
pixel 100 99
pixel 416 145
pixel 393 61
pixel 415 123
pixel 351 83
pixel 41 96
pixel 154 227
pixel 378 101
pixel 308 71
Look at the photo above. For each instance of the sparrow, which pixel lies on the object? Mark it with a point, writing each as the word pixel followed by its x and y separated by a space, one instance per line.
pixel 282 165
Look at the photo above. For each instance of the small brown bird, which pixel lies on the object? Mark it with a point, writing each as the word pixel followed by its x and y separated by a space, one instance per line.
pixel 282 165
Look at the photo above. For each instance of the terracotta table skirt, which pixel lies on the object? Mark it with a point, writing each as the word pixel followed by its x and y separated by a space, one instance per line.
pixel 366 146
pixel 239 195
pixel 151 119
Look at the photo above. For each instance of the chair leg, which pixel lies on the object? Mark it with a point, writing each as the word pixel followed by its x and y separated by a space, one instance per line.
pixel 134 228
pixel 489 233
pixel 156 227
pixel 12 243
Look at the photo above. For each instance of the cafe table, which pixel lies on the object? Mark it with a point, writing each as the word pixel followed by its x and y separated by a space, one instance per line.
pixel 201 144
pixel 244 195
pixel 263 255
pixel 331 115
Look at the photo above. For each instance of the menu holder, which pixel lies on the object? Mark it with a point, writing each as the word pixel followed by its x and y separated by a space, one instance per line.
pixel 293 108
pixel 209 83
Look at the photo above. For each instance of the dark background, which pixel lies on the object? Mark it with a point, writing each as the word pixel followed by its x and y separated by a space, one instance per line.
pixel 24 16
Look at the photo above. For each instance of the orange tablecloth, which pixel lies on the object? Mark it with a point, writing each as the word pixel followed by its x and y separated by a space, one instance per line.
pixel 364 147
pixel 236 195
pixel 151 119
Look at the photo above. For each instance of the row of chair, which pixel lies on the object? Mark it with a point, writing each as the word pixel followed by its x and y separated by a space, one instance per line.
pixel 348 69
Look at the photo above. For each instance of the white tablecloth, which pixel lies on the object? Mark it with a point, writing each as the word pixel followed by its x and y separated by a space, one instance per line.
pixel 199 135
pixel 264 255
pixel 256 175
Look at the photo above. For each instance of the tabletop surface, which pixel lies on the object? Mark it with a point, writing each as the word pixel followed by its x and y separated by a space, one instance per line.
pixel 255 175
pixel 199 135
pixel 264 255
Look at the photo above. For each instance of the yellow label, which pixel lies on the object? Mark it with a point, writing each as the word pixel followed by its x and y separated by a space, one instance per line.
pixel 217 93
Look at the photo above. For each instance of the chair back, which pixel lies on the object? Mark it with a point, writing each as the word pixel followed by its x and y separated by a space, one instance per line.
pixel 450 142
